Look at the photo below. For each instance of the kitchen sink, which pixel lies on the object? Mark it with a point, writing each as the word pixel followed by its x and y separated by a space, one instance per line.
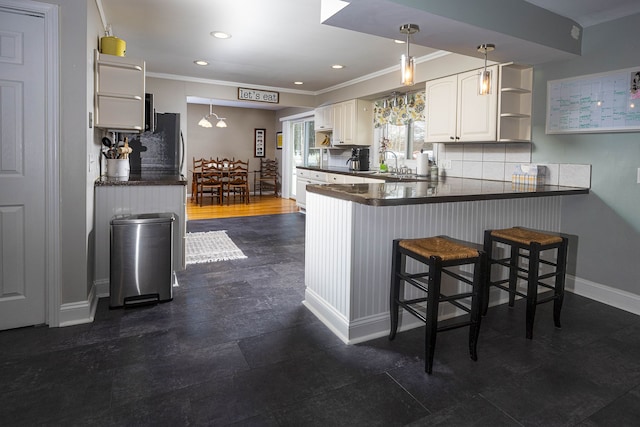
pixel 373 173
pixel 393 176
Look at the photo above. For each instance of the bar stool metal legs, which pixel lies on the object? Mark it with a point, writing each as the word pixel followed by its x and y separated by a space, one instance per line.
pixel 533 243
pixel 438 254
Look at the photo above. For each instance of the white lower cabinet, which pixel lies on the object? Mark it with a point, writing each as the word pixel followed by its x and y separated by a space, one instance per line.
pixel 334 178
pixel 306 176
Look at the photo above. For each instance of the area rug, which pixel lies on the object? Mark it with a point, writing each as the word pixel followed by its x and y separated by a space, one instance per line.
pixel 211 246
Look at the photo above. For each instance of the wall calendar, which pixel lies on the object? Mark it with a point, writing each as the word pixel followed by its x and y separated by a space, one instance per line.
pixel 595 103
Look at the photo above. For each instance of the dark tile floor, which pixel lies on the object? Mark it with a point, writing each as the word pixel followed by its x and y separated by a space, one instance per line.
pixel 236 347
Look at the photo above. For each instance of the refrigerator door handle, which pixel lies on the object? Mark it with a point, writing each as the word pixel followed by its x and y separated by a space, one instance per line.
pixel 181 151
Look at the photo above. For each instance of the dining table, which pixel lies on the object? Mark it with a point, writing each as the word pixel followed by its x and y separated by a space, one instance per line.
pixel 196 174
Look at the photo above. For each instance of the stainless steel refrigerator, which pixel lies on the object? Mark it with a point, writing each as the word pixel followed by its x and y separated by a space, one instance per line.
pixel 158 152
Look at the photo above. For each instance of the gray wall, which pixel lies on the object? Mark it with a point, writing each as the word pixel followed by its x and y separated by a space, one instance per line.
pixel 79 31
pixel 234 141
pixel 607 222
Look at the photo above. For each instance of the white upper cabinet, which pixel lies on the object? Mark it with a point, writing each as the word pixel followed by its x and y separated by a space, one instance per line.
pixel 353 123
pixel 323 118
pixel 455 112
pixel 119 92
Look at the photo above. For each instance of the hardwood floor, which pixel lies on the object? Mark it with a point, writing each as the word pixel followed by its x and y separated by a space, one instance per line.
pixel 260 205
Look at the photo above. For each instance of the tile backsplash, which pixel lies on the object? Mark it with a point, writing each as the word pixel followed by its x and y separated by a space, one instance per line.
pixel 498 161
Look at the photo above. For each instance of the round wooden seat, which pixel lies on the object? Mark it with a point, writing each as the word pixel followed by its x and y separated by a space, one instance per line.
pixel 526 237
pixel 437 246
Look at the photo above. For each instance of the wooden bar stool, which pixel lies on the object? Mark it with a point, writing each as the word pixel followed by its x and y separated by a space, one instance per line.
pixel 438 254
pixel 532 242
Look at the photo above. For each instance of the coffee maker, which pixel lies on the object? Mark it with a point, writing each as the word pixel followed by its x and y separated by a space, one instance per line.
pixel 359 160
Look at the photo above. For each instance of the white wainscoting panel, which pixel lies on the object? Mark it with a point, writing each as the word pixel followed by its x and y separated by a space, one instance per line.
pixel 135 199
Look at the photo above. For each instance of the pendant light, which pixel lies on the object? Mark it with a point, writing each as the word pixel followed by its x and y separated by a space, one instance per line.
pixel 484 82
pixel 205 123
pixel 407 64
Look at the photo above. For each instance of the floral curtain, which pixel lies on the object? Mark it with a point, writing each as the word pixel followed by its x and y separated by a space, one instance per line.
pixel 402 113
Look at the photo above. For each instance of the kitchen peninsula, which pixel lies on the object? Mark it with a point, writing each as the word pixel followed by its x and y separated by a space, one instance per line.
pixel 350 229
pixel 140 193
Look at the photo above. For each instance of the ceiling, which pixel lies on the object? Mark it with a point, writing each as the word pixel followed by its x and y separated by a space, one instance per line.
pixel 277 42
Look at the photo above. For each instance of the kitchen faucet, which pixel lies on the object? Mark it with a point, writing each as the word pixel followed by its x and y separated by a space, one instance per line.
pixel 394 155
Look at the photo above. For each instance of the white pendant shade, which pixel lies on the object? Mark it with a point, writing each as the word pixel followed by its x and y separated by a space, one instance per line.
pixel 205 123
pixel 484 82
pixel 407 63
pixel 408 67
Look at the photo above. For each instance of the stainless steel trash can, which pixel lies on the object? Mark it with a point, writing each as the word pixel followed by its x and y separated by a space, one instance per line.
pixel 141 268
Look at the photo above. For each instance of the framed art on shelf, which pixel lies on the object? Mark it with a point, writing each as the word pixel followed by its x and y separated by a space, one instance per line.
pixel 279 140
pixel 259 139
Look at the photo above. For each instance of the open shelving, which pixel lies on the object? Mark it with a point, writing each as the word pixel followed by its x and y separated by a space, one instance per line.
pixel 514 103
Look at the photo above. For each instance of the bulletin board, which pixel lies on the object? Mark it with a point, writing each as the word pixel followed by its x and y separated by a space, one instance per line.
pixel 595 103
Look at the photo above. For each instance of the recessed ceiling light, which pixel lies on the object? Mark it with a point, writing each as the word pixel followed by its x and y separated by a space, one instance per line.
pixel 297 83
pixel 399 41
pixel 201 62
pixel 220 35
pixel 337 66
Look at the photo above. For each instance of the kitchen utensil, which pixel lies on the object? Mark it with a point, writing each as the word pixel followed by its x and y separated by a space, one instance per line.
pixel 354 164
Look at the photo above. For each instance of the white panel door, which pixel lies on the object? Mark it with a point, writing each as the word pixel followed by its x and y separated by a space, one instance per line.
pixel 22 170
pixel 477 114
pixel 441 109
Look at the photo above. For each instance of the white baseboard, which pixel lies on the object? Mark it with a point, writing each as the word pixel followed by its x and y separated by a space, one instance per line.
pixel 605 294
pixel 365 328
pixel 333 320
pixel 77 313
pixel 368 328
pixel 102 288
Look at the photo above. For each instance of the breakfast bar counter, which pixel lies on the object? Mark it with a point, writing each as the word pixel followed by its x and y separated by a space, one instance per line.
pixel 409 192
pixel 142 179
pixel 350 229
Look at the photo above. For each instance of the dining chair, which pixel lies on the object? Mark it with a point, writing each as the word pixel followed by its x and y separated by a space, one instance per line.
pixel 268 175
pixel 196 177
pixel 238 180
pixel 225 162
pixel 211 184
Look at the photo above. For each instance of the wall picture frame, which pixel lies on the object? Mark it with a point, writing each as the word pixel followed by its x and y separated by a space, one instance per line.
pixel 278 140
pixel 259 142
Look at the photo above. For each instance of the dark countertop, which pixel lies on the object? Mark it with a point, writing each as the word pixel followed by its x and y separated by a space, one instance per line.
pixel 407 191
pixel 365 174
pixel 142 179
